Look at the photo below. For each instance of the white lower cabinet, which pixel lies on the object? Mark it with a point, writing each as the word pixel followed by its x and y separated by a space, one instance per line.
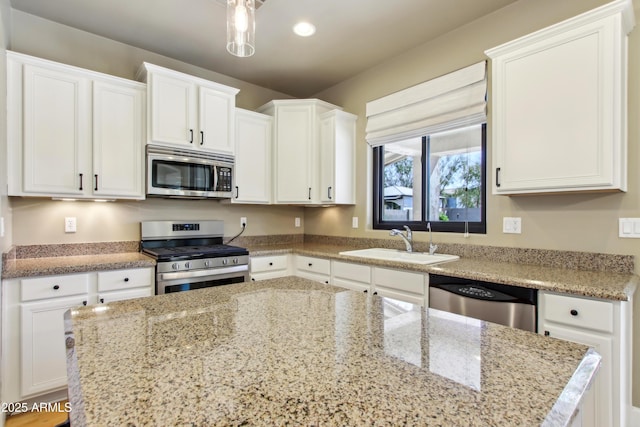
pixel 33 344
pixel 269 267
pixel 604 326
pixel 317 269
pixel 402 285
pixel 351 276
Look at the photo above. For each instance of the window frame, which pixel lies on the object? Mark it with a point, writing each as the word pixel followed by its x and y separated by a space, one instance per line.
pixel 421 225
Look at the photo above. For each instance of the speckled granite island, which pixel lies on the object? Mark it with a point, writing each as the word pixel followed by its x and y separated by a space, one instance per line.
pixel 294 352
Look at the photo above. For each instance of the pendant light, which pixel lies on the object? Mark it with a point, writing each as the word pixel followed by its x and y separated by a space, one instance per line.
pixel 241 27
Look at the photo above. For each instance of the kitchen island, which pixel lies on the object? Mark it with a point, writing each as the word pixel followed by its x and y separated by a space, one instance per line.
pixel 292 351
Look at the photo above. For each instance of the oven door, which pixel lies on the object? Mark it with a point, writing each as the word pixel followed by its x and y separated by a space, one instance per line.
pixel 198 279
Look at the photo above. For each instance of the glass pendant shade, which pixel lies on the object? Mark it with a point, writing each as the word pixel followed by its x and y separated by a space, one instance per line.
pixel 241 27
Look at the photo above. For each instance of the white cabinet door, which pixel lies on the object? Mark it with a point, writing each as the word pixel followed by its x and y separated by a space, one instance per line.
pixel 173 110
pixel 253 157
pixel 43 358
pixel 559 108
pixel 216 124
pixel 294 135
pixel 402 285
pixel 337 157
pixel 56 132
pixel 118 140
pixel 597 408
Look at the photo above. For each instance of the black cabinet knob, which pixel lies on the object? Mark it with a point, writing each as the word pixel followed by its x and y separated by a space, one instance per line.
pixel 375 293
pixel 574 312
pixel 101 300
pixel 56 287
pixel 270 263
pixel 310 264
pixel 126 279
pixel 84 303
pixel 547 333
pixel 366 290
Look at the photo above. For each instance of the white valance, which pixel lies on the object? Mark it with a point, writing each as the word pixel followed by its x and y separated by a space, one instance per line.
pixel 448 102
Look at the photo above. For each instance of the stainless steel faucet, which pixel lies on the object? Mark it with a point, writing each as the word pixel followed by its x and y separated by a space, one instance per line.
pixel 408 238
pixel 432 247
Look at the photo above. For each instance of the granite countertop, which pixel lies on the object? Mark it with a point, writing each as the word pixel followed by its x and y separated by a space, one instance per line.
pixel 45 266
pixel 597 284
pixel 292 351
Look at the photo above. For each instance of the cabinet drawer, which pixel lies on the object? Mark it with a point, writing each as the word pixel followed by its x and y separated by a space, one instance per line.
pixel 268 263
pixel 399 280
pixel 124 279
pixel 352 272
pixel 580 312
pixel 53 286
pixel 313 265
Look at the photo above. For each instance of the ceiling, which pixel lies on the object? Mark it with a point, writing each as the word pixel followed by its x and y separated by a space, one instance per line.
pixel 352 35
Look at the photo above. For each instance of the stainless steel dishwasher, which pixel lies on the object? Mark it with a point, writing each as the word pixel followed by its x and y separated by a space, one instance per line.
pixel 513 306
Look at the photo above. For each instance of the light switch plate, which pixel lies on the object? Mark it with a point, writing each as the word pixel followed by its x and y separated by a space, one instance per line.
pixel 297 222
pixel 629 228
pixel 354 222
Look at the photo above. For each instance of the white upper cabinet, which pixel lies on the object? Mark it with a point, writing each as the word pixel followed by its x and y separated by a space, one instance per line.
pixel 337 157
pixel 559 120
pixel 297 158
pixel 253 157
pixel 189 112
pixel 73 133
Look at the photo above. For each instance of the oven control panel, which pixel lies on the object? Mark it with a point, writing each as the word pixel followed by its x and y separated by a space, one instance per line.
pixel 202 264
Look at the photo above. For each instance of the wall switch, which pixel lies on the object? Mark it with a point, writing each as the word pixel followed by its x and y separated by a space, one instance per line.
pixel 629 228
pixel 243 221
pixel 354 222
pixel 297 222
pixel 512 225
pixel 70 224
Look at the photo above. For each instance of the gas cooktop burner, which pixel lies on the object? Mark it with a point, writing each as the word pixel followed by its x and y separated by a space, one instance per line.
pixel 194 252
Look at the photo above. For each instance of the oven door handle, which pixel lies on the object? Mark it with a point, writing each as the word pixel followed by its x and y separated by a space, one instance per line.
pixel 201 273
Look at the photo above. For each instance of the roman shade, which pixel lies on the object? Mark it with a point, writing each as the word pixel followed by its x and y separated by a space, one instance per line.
pixel 448 102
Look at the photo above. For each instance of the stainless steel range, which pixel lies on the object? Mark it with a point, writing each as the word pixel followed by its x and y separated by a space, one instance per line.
pixel 191 255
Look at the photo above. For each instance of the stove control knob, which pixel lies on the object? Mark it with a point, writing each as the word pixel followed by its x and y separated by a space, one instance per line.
pixel 187 264
pixel 235 260
pixel 207 263
pixel 175 266
pixel 225 261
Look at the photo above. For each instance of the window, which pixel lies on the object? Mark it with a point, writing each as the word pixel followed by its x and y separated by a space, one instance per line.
pixel 438 178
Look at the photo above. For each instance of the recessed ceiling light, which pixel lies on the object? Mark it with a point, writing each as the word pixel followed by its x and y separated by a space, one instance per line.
pixel 304 29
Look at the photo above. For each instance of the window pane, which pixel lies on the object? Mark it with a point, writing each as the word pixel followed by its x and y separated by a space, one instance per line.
pixel 455 175
pixel 402 181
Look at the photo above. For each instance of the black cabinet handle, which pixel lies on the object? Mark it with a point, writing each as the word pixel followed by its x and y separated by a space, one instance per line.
pixel 80 182
pixel 191 137
pixel 101 300
pixel 366 291
pixel 126 279
pixel 497 177
pixel 56 287
pixel 329 193
pixel 309 193
pixel 574 312
pixel 547 333
pixel 237 192
pixel 375 293
pixel 253 280
pixel 84 303
pixel 96 187
pixel 201 137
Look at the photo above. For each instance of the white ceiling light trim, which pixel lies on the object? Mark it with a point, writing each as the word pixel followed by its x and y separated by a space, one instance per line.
pixel 304 29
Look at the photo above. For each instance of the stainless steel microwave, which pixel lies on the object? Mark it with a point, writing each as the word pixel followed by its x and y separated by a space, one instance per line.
pixel 188 174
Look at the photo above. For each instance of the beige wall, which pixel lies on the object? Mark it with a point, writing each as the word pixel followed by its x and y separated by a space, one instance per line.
pixel 575 222
pixel 587 222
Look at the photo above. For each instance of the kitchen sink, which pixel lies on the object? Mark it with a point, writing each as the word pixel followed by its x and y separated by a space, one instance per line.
pixel 401 256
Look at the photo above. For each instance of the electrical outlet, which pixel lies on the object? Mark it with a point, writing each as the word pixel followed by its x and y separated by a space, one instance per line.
pixel 354 222
pixel 243 221
pixel 297 222
pixel 629 228
pixel 512 225
pixel 70 224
